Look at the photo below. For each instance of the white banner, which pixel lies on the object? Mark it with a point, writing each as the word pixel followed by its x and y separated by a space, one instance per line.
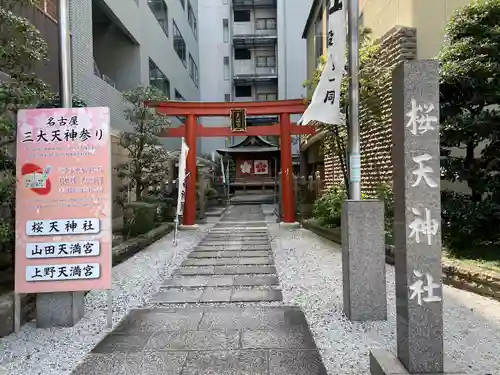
pixel 222 169
pixel 325 102
pixel 182 178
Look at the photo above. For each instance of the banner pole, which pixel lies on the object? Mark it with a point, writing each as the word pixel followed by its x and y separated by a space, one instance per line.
pixel 353 132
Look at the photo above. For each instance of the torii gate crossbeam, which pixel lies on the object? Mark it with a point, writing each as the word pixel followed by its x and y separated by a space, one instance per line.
pixel 191 130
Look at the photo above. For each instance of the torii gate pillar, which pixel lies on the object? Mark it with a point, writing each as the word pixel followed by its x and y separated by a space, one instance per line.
pixel 189 218
pixel 287 197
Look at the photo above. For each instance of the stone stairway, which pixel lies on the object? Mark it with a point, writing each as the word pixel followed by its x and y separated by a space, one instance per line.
pixel 233 263
pixel 213 333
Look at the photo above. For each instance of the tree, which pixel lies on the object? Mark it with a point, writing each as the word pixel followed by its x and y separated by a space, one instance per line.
pixel 21 47
pixel 372 77
pixel 148 160
pixel 470 118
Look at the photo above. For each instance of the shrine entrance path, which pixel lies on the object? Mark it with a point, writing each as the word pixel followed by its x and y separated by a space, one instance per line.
pixel 220 313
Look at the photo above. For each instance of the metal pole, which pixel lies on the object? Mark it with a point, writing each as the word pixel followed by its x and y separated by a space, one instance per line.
pixel 353 131
pixel 65 82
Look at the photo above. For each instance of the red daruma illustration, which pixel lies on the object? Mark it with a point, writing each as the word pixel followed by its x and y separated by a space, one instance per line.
pixel 36 178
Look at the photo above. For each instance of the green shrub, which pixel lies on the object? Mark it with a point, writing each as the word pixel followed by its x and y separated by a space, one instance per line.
pixel 327 209
pixel 471 229
pixel 140 218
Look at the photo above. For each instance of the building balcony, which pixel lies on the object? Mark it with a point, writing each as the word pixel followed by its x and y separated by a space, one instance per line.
pixel 254 4
pixel 243 79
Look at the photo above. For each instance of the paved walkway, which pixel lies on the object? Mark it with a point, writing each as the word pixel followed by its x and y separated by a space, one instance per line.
pixel 226 325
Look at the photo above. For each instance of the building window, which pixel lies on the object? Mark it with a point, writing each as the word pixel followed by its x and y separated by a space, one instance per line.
pixel 318 43
pixel 241 16
pixel 158 79
pixel 227 97
pixel 226 68
pixel 225 30
pixel 183 3
pixel 266 97
pixel 192 20
pixel 242 54
pixel 265 24
pixel 179 44
pixel 243 91
pixel 193 70
pixel 49 7
pixel 179 97
pixel 160 11
pixel 266 62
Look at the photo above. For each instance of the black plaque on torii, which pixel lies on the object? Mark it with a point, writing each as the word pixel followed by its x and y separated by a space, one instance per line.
pixel 238 120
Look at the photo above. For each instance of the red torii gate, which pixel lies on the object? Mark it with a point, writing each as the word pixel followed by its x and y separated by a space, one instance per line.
pixel 191 129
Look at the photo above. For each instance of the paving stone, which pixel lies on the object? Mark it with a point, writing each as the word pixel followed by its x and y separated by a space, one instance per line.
pixel 156 320
pixel 256 260
pixel 109 364
pixel 255 253
pixel 220 280
pixel 195 340
pixel 237 362
pixel 188 271
pixel 178 296
pixel 122 343
pixel 233 318
pixel 255 280
pixel 186 281
pixel 229 253
pixel 295 362
pixel 211 262
pixel 261 270
pixel 216 295
pixel 209 248
pixel 204 254
pixel 256 295
pixel 278 339
pixel 244 270
pixel 150 362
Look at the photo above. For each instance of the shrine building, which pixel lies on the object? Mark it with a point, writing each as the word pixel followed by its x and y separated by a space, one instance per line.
pixel 256 162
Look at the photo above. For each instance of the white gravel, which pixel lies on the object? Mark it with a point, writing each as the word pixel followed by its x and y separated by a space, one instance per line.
pixel 310 272
pixel 58 351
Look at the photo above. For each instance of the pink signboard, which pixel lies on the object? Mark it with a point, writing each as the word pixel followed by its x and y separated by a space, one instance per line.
pixel 63 200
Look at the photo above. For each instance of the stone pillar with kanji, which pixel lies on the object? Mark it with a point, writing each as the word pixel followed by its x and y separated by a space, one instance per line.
pixel 417 223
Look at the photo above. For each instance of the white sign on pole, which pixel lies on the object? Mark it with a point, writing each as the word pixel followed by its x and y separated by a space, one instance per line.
pixel 223 172
pixel 325 102
pixel 182 178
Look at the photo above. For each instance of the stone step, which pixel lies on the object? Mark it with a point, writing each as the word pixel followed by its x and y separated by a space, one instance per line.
pixel 246 247
pixel 216 295
pixel 225 270
pixel 229 253
pixel 229 261
pixel 225 280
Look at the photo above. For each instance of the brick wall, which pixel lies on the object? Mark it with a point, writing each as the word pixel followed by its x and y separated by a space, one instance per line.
pixel 397 45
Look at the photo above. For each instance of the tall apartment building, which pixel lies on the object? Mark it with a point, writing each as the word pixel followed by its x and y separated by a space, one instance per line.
pixel 120 44
pixel 251 50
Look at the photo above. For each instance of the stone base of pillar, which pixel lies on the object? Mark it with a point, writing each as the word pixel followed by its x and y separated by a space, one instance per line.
pixel 189 227
pixel 294 225
pixel 62 309
pixel 363 260
pixel 383 362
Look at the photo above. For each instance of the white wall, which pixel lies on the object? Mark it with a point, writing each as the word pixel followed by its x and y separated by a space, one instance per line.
pixel 292 65
pixel 212 47
pixel 137 21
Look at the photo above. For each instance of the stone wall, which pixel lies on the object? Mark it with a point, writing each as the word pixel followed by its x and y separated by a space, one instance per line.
pixel 397 45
